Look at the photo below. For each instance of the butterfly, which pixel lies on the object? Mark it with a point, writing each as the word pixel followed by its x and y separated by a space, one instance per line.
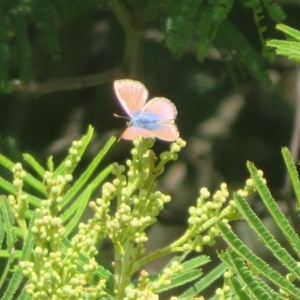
pixel 152 119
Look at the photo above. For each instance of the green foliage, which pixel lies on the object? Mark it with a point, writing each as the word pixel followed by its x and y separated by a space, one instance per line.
pixel 66 207
pixel 201 23
pixel 41 15
pixel 49 251
pixel 250 274
pixel 289 48
pixel 238 54
pixel 183 12
pixel 274 11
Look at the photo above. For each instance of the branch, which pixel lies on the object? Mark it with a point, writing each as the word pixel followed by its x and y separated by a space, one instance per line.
pixel 40 89
pixel 121 14
pixel 133 26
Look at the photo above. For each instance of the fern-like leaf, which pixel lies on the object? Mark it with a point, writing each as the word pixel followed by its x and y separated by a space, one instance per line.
pixel 16 14
pixel 41 12
pixel 9 222
pixel 294 33
pixel 17 277
pixel 293 173
pixel 255 223
pixel 290 49
pixel 236 49
pixel 262 267
pixel 255 287
pixel 195 262
pixel 206 281
pixel 275 12
pixel 34 164
pixel 78 208
pixel 274 210
pixel 180 24
pixel 61 169
pixel 87 173
pixel 180 280
pixel 211 17
pixel 239 290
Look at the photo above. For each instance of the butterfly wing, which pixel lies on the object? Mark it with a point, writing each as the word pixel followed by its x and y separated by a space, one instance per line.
pixel 132 133
pixel 168 132
pixel 161 108
pixel 160 114
pixel 131 94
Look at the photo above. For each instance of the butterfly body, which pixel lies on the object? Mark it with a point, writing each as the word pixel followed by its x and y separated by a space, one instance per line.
pixel 148 120
pixel 152 119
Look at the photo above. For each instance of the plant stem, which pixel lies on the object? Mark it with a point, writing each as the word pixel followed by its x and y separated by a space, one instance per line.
pixel 133 28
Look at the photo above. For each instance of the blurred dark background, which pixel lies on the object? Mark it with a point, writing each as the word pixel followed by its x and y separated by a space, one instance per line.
pixel 248 121
pixel 224 121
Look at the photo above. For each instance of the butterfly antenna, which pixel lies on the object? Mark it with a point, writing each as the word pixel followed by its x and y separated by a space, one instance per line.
pixel 118 116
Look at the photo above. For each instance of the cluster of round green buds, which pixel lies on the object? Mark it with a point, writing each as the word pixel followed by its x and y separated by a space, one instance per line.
pixel 166 275
pixel 48 282
pixel 224 292
pixel 250 186
pixel 19 175
pixel 291 277
pixel 174 149
pixel 18 201
pixel 142 145
pixel 19 205
pixel 140 168
pixel 44 280
pixel 118 171
pixel 74 158
pixel 56 185
pixel 150 205
pixel 87 238
pixel 143 291
pixel 47 228
pixel 204 217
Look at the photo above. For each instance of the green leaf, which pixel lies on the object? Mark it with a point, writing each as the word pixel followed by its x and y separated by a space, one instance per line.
pixel 36 184
pixel 6 162
pixel 17 18
pixel 28 178
pixel 34 164
pixel 254 285
pixel 2 231
pixel 274 210
pixel 237 52
pixel 239 247
pixel 41 12
pixel 274 10
pixel 7 186
pixel 239 290
pixel 180 279
pixel 292 170
pixel 183 14
pixel 202 284
pixel 9 222
pixel 255 223
pixel 195 262
pixel 85 142
pixel 87 173
pixel 24 295
pixel 78 208
pixel 50 164
pixel 8 266
pixel 17 277
pixel 289 31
